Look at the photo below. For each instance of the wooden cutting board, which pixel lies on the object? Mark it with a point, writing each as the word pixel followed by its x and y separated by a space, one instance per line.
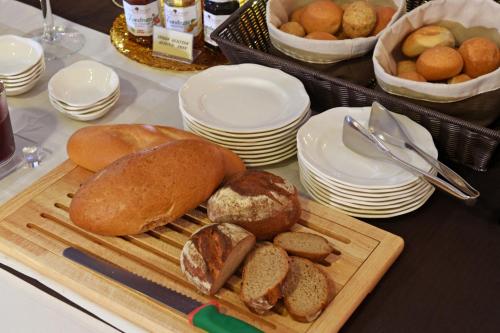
pixel 35 229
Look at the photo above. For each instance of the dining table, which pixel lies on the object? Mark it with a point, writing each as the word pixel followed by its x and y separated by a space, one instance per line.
pixel 447 278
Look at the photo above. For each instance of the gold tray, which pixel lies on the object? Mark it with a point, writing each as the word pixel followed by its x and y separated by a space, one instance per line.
pixel 144 55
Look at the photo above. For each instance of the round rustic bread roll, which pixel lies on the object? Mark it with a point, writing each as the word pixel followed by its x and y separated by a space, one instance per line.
pixel 321 15
pixel 439 63
pixel 413 76
pixel 293 28
pixel 384 16
pixel 260 202
pixel 426 38
pixel 481 56
pixel 359 19
pixel 320 35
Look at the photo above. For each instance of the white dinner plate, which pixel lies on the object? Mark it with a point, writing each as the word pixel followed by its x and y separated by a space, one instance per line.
pixel 373 192
pixel 248 145
pixel 271 161
pixel 355 196
pixel 83 84
pixel 319 142
pixel 367 212
pixel 18 54
pixel 249 135
pixel 372 215
pixel 244 98
pixel 360 203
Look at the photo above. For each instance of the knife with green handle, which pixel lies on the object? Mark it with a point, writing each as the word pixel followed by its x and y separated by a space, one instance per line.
pixel 204 316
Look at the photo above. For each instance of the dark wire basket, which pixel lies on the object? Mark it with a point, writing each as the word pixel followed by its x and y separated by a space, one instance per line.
pixel 244 38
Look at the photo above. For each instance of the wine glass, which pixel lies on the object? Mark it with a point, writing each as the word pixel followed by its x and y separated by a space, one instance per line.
pixel 57 41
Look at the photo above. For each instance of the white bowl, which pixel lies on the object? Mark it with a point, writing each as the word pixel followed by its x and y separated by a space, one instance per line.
pixel 316 51
pixel 14 91
pixel 18 54
pixel 84 83
pixel 26 74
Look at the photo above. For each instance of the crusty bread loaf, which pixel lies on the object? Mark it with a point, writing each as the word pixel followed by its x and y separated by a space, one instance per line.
pixel 262 203
pixel 264 272
pixel 213 253
pixel 307 290
pixel 150 188
pixel 116 141
pixel 304 244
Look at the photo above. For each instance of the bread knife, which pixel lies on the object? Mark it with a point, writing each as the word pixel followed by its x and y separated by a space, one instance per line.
pixel 204 316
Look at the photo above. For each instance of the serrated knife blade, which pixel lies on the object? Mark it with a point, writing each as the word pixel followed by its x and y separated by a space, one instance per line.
pixel 156 291
pixel 205 316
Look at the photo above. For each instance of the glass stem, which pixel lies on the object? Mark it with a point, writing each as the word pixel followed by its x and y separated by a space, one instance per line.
pixel 48 21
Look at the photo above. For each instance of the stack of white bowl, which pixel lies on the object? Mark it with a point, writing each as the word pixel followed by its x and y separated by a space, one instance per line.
pixel 253 110
pixel 21 64
pixel 358 185
pixel 84 91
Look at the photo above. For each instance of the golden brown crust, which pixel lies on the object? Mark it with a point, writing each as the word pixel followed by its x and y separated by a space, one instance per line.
pixel 321 15
pixel 425 38
pixel 149 188
pixel 116 141
pixel 318 256
pixel 293 28
pixel 481 56
pixel 359 19
pixel 439 63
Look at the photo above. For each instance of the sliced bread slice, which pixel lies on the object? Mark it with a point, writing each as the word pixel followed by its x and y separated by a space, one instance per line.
pixel 264 272
pixel 304 245
pixel 307 290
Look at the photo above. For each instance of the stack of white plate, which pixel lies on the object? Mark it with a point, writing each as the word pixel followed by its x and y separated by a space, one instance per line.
pixel 21 64
pixel 84 91
pixel 358 185
pixel 253 110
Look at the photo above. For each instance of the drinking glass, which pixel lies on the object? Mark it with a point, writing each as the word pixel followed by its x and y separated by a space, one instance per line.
pixel 57 41
pixel 7 145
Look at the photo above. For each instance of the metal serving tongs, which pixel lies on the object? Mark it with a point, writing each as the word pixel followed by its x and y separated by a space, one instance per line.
pixel 361 140
pixel 388 129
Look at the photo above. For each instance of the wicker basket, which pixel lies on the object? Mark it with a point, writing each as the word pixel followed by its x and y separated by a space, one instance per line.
pixel 244 38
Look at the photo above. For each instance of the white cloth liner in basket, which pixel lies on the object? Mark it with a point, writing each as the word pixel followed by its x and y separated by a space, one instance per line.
pixel 316 51
pixel 469 13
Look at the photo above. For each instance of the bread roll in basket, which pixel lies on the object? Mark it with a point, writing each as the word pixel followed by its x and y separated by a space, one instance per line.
pixel 317 51
pixel 466 19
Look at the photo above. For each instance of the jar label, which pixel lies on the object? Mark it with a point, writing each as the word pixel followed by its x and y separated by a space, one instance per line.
pixel 185 19
pixel 141 18
pixel 210 23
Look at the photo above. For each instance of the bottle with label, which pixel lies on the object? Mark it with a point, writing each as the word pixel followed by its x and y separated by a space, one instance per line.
pixel 141 16
pixel 214 13
pixel 185 16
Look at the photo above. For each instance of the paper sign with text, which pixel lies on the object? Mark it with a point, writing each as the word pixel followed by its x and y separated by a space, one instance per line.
pixel 172 44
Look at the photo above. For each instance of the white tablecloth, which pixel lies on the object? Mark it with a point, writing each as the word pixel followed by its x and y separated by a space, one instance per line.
pixel 147 96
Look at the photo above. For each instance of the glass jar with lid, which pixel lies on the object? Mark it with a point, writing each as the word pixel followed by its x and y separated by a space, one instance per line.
pixel 215 12
pixel 141 16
